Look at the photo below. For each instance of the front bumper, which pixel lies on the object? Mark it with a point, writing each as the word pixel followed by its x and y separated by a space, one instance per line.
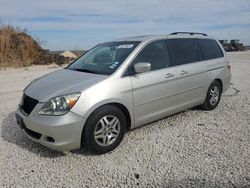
pixel 61 133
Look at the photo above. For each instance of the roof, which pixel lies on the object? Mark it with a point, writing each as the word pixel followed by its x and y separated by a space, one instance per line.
pixel 137 38
pixel 173 35
pixel 69 54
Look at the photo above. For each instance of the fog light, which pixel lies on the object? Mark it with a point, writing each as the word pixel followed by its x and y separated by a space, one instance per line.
pixel 50 139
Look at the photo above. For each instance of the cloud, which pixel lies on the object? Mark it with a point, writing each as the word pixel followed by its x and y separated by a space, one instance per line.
pixel 94 21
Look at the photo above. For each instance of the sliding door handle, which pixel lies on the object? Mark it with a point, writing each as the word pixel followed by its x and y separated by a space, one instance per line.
pixel 183 72
pixel 169 75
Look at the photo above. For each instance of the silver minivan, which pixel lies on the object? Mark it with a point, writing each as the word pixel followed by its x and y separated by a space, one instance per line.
pixel 120 85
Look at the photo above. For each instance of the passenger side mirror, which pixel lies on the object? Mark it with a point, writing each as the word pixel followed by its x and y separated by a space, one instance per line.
pixel 142 67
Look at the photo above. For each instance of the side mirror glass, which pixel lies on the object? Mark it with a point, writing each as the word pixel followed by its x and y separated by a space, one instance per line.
pixel 142 67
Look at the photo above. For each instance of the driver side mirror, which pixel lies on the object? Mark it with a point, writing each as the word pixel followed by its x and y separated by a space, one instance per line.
pixel 142 67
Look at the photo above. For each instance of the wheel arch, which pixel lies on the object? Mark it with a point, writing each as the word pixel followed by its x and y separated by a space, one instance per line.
pixel 117 104
pixel 220 82
pixel 125 111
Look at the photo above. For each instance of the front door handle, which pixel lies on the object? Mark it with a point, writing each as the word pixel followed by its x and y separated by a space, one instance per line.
pixel 183 72
pixel 169 75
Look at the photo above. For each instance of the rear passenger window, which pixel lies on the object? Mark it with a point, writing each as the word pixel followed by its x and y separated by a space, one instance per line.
pixel 154 53
pixel 210 49
pixel 182 51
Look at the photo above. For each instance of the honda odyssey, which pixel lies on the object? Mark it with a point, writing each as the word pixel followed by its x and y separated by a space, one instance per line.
pixel 120 85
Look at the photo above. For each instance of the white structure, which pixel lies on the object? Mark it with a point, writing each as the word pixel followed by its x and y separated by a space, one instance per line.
pixel 69 54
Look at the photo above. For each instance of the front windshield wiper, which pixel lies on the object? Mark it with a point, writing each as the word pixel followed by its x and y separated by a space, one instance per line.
pixel 84 70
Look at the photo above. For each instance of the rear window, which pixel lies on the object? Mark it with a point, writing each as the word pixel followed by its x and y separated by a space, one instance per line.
pixel 210 49
pixel 182 51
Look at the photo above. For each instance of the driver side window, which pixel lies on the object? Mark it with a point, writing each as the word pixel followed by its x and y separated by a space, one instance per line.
pixel 154 53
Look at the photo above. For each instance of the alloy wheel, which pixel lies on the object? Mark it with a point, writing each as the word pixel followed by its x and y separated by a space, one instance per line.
pixel 214 95
pixel 107 130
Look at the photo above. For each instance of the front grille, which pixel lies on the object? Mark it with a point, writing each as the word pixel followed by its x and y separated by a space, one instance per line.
pixel 28 104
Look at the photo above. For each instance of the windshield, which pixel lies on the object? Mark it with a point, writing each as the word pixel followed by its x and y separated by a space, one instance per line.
pixel 104 58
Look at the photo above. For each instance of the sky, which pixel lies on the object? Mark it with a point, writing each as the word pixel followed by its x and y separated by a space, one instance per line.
pixel 81 24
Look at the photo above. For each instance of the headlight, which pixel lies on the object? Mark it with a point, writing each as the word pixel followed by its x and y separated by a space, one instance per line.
pixel 59 105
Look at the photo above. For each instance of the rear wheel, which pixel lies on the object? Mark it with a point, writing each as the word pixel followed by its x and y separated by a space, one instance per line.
pixel 213 96
pixel 104 129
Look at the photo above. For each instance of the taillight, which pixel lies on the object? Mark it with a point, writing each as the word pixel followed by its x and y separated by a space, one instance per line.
pixel 229 66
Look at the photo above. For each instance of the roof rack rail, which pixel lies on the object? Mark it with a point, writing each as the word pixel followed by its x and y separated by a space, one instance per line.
pixel 190 33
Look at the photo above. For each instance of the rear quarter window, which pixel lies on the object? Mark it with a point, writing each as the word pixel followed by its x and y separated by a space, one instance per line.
pixel 210 49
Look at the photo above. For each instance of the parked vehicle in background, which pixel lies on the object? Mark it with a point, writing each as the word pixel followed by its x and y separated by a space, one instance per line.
pixel 120 85
pixel 234 45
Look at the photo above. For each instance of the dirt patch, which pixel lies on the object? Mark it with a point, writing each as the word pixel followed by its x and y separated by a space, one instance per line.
pixel 18 49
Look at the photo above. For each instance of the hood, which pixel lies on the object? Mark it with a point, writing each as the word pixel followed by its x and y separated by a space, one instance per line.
pixel 61 82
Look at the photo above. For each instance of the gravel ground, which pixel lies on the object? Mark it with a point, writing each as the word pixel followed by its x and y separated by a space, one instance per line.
pixel 191 149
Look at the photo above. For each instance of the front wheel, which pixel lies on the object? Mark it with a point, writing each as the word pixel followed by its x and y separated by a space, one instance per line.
pixel 213 96
pixel 104 129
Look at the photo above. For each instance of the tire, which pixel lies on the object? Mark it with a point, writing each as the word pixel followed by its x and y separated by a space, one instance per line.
pixel 210 103
pixel 104 129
